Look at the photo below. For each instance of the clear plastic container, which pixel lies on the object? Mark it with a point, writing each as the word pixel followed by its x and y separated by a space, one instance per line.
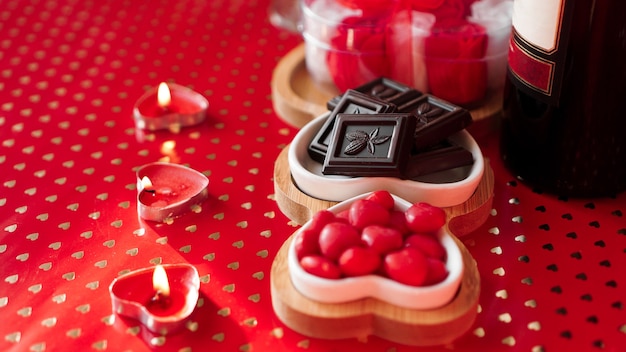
pixel 345 46
pixel 456 54
pixel 460 59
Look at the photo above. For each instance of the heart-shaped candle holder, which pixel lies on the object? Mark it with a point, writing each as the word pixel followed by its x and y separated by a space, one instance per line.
pixel 131 296
pixel 187 108
pixel 174 189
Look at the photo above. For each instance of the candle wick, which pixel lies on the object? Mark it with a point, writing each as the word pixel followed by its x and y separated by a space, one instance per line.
pixel 163 301
pixel 165 109
pixel 157 296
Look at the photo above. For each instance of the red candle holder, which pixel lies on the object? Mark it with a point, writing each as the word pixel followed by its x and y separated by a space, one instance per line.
pixel 184 107
pixel 166 190
pixel 133 296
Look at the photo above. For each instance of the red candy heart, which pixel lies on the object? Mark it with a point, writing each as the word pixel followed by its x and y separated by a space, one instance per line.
pixel 429 245
pixel 365 212
pixel 320 266
pixel 383 198
pixel 358 261
pixel 397 220
pixel 425 218
pixel 408 266
pixel 307 243
pixel 382 239
pixel 336 237
pixel 437 271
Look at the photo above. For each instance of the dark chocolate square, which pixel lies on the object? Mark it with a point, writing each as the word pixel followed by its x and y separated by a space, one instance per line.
pixel 436 119
pixel 377 145
pixel 384 89
pixel 352 102
pixel 443 156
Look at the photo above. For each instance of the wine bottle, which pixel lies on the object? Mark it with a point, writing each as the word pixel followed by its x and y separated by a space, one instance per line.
pixel 564 108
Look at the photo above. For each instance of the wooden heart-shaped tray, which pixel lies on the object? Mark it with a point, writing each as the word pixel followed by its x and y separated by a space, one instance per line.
pixel 370 316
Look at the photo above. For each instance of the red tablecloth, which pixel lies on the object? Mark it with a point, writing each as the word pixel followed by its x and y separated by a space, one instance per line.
pixel 70 73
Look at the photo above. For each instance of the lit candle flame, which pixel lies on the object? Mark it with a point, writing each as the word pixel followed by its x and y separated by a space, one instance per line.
pixel 164 97
pixel 146 183
pixel 160 283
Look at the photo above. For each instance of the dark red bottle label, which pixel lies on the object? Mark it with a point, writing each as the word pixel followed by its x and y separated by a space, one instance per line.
pixel 538 47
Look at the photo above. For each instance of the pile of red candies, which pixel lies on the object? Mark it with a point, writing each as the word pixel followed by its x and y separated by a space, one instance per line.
pixel 447 60
pixel 372 237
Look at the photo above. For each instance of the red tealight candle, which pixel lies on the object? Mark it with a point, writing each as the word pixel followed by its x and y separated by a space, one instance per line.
pixel 161 197
pixel 168 190
pixel 164 302
pixel 169 106
pixel 162 298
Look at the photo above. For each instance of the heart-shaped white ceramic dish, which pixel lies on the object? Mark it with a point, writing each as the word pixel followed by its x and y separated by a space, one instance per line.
pixel 376 286
pixel 442 189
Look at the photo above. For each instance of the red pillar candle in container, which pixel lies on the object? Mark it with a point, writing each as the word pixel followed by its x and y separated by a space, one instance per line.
pixel 162 298
pixel 169 106
pixel 168 190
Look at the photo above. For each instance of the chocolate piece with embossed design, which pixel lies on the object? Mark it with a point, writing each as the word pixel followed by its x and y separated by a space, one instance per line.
pixel 436 119
pixel 352 102
pixel 377 145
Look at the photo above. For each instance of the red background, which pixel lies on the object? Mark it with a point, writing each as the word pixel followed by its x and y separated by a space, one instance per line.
pixel 70 73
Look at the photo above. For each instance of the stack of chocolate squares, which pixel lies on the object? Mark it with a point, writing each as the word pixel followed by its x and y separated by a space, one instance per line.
pixel 385 128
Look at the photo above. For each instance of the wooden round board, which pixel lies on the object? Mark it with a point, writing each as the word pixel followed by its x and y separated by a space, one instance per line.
pixel 297 99
pixel 299 206
pixel 370 316
pixel 295 96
